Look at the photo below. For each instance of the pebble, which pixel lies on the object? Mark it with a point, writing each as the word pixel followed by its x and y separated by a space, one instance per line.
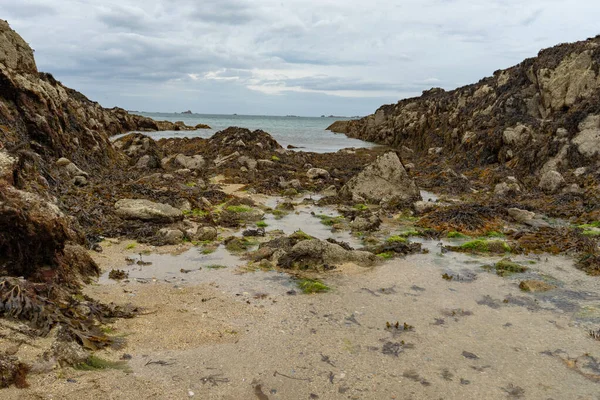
pixel 190 393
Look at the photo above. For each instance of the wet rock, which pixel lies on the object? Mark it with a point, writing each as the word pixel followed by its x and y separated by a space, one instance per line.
pixel 317 254
pixel 206 233
pixel 170 236
pixel 551 182
pixel 423 207
pixel 362 224
pixel 535 286
pixel 290 192
pixel 317 173
pixel 385 180
pixel 194 163
pixel 147 210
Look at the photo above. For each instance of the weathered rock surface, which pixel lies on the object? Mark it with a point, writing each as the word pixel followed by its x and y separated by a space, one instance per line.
pixel 195 162
pixel 147 210
pixel 552 181
pixel 385 180
pixel 317 173
pixel 317 253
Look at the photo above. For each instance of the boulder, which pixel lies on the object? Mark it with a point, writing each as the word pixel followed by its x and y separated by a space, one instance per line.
pixel 190 162
pixel 551 182
pixel 170 236
pixel 527 218
pixel 362 224
pixel 206 233
pixel 317 253
pixel 147 210
pixel 317 173
pixel 385 180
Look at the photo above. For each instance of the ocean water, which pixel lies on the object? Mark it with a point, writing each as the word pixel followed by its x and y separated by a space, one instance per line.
pixel 307 133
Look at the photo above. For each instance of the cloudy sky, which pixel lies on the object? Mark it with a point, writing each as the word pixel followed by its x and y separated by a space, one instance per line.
pixel 278 57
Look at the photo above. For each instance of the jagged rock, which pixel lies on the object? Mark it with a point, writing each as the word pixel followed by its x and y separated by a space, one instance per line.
pixel 170 236
pixel 147 210
pixel 551 182
pixel 317 173
pixel 66 353
pixel 384 180
pixel 194 163
pixel 317 253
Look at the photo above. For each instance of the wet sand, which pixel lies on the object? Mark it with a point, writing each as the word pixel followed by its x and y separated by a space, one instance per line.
pixel 231 334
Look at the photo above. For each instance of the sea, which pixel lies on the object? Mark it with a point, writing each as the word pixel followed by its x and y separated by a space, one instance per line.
pixel 306 133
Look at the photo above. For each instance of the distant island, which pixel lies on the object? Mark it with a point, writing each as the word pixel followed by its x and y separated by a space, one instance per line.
pixel 187 112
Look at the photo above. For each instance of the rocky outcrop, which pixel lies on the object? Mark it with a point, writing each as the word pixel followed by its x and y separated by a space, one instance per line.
pixel 544 109
pixel 383 181
pixel 339 127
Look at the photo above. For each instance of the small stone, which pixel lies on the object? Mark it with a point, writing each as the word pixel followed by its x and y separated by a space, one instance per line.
pixel 535 286
pixel 319 173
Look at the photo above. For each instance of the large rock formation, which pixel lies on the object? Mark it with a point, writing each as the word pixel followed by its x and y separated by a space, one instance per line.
pixel 385 180
pixel 542 114
pixel 51 137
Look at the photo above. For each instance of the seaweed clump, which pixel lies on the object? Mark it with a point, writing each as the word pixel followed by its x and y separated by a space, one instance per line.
pixel 472 220
pixel 590 264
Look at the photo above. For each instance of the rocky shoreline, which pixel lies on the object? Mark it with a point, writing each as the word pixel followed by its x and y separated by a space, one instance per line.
pixel 69 195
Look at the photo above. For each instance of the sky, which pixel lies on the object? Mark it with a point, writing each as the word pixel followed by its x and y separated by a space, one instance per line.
pixel 268 57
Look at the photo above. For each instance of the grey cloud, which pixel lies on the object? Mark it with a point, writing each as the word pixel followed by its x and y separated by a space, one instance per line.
pixel 30 9
pixel 228 12
pixel 222 48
